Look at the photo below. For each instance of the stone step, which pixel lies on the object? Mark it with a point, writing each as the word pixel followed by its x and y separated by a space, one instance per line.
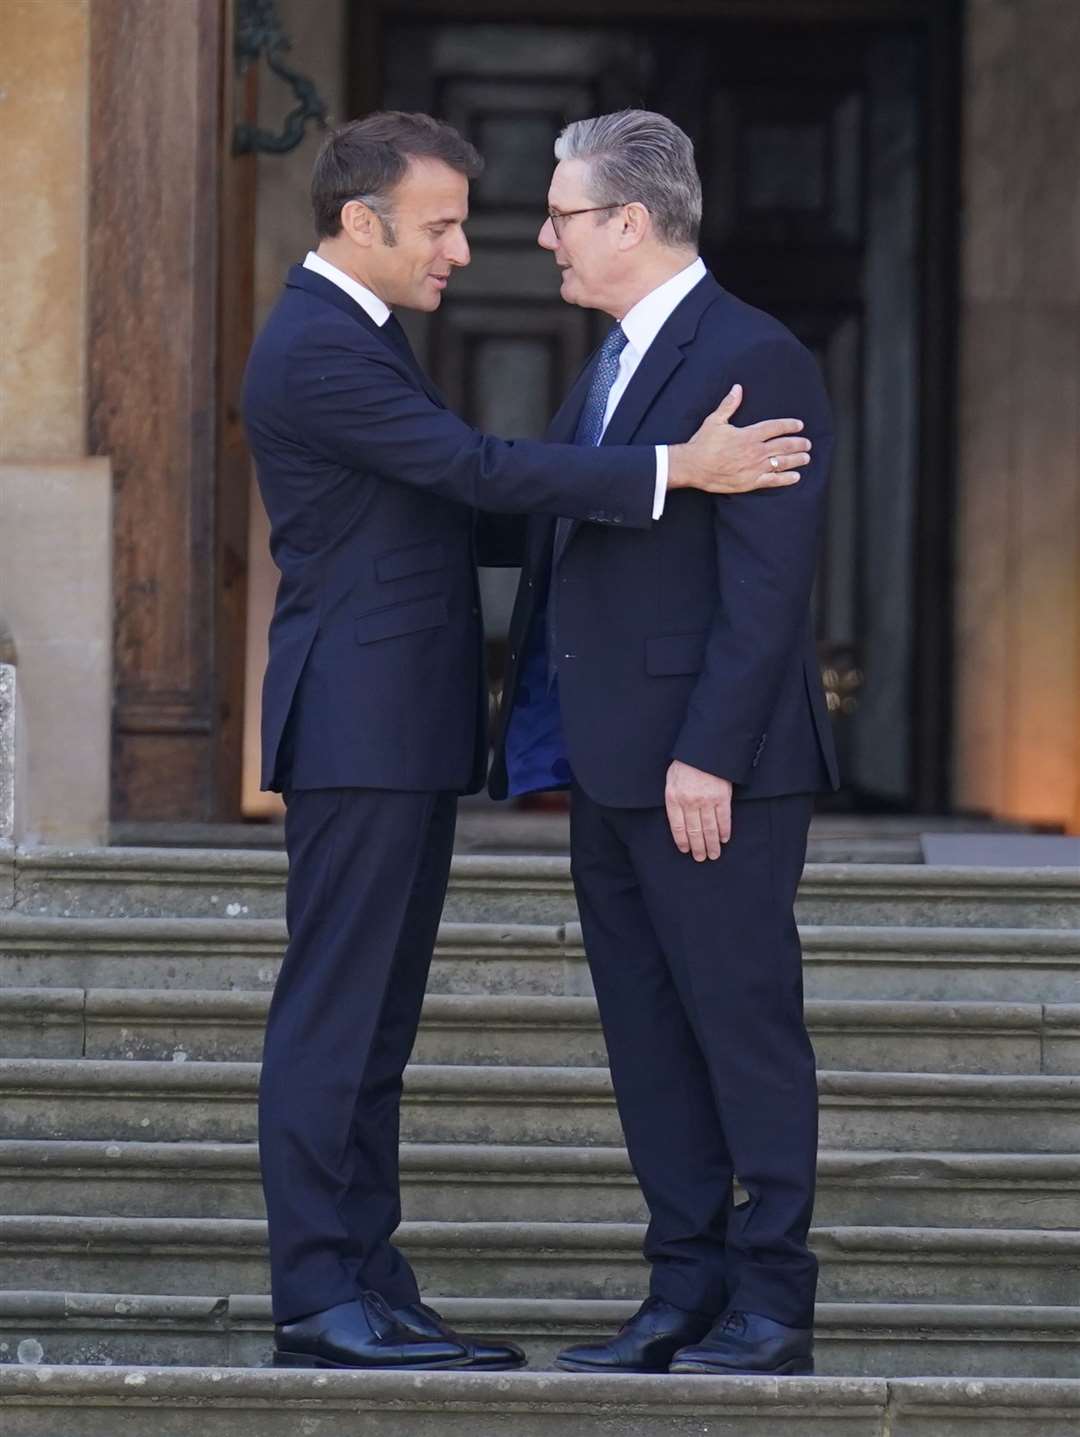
pixel 134 882
pixel 487 828
pixel 227 1025
pixel 110 1099
pixel 876 961
pixel 539 1260
pixel 171 1402
pixel 851 1339
pixel 458 1182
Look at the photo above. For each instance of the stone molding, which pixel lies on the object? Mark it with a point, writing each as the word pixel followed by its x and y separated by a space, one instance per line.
pixel 7 744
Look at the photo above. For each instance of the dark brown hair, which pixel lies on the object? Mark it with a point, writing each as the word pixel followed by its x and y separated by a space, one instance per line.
pixel 366 158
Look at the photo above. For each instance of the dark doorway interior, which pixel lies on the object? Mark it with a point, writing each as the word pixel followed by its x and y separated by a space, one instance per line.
pixel 826 144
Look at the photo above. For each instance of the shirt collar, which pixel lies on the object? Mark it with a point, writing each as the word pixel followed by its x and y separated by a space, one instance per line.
pixel 368 301
pixel 644 322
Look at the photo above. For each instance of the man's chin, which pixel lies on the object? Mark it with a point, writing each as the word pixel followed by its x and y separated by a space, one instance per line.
pixel 569 289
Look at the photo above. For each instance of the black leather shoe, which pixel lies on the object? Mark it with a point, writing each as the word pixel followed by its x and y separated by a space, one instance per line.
pixel 747 1344
pixel 646 1343
pixel 484 1356
pixel 364 1334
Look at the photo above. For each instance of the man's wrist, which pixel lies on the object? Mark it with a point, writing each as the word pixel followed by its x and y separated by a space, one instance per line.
pixel 679 466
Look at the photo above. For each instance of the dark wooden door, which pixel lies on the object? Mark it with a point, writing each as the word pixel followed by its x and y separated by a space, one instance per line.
pixel 820 138
pixel 170 306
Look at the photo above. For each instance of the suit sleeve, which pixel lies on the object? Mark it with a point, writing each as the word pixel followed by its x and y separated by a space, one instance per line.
pixel 767 545
pixel 361 412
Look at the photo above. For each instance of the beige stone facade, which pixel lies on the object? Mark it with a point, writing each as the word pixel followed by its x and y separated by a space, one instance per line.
pixel 55 503
pixel 1017 681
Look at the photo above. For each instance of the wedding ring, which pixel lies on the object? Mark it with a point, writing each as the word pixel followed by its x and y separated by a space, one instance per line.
pixel 775 462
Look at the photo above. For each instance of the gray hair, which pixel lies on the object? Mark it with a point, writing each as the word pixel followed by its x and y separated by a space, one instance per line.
pixel 382 207
pixel 638 155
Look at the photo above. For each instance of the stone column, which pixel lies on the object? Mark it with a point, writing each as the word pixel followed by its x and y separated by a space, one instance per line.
pixel 1017 674
pixel 55 524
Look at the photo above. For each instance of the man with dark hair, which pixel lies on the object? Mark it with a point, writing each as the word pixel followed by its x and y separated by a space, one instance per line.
pixel 368 158
pixel 374 703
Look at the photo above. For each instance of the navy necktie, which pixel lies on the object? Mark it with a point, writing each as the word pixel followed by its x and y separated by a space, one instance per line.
pixel 590 425
pixel 590 429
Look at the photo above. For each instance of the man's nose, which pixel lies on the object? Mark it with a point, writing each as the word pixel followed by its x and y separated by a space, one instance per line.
pixel 547 238
pixel 458 251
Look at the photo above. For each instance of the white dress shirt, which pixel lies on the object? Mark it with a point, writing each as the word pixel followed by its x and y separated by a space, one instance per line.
pixel 368 301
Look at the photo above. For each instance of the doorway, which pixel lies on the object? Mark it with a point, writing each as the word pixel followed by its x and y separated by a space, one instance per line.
pixel 826 141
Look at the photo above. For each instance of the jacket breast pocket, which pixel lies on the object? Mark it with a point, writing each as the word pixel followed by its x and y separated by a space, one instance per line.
pixel 402 619
pixel 675 653
pixel 416 559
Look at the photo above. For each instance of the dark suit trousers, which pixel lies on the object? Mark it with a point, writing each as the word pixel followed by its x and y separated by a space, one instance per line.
pixel 698 975
pixel 367 877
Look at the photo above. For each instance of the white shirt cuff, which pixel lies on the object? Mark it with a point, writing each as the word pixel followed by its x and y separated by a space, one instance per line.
pixel 661 481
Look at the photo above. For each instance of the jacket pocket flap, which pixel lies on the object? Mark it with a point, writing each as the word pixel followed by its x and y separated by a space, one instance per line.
pixel 675 653
pixel 416 559
pixel 402 619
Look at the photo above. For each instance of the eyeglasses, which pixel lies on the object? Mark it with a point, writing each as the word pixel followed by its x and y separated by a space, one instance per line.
pixel 557 216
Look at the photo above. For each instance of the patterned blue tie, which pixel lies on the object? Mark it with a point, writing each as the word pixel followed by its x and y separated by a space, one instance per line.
pixel 591 423
pixel 590 429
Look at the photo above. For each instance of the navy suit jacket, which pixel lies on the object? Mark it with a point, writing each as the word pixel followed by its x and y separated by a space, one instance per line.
pixel 375 676
pixel 691 639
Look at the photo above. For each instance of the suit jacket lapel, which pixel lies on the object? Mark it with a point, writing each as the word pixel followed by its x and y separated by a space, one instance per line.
pixel 312 283
pixel 662 359
pixel 417 369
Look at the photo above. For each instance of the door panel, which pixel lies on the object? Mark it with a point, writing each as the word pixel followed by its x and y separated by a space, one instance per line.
pixel 810 140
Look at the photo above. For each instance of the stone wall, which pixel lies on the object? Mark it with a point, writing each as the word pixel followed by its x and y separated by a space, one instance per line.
pixel 55 525
pixel 43 102
pixel 284 235
pixel 1017 696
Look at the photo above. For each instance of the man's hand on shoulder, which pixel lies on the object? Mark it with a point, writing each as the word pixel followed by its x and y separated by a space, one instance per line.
pixel 724 459
pixel 698 809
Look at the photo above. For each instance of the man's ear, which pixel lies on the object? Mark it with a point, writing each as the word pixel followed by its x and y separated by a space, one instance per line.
pixel 359 223
pixel 636 224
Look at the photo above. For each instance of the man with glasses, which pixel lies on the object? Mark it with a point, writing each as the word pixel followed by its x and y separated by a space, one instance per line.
pixel 668 677
pixel 374 702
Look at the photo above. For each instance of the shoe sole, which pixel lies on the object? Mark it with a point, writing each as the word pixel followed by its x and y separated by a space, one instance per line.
pixel 302 1359
pixel 795 1368
pixel 570 1364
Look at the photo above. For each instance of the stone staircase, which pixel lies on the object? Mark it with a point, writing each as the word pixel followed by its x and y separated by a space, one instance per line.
pixel 945 1010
